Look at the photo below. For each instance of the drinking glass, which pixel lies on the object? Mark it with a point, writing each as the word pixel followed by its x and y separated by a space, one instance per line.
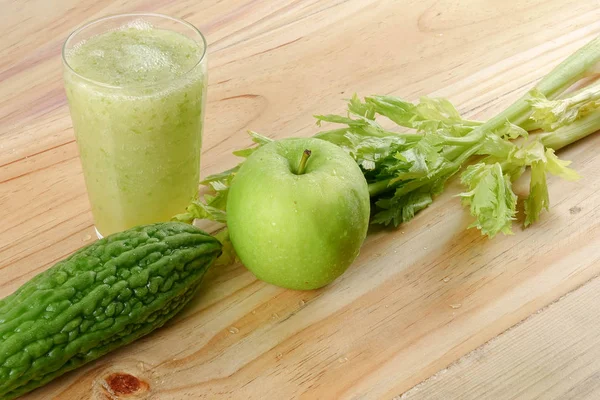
pixel 136 87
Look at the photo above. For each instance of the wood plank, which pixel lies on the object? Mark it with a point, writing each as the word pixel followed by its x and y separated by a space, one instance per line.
pixel 418 298
pixel 554 354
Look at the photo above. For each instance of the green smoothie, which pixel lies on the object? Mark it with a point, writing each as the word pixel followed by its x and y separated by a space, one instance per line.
pixel 136 96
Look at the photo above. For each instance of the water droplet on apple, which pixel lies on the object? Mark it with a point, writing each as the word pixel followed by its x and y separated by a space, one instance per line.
pixel 273 223
pixel 233 330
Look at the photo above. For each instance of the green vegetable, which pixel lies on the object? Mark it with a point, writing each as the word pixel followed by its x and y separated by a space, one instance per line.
pixel 406 170
pixel 490 197
pixel 552 114
pixel 102 297
pixel 568 134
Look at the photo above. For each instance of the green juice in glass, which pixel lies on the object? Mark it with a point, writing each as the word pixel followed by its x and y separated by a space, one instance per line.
pixel 136 95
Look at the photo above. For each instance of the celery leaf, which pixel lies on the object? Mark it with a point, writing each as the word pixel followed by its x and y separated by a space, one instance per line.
pixel 490 198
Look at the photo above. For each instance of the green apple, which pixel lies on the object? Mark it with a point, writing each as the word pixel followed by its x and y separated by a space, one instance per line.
pixel 298 212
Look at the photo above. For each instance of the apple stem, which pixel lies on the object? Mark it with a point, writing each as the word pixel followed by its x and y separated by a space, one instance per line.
pixel 302 166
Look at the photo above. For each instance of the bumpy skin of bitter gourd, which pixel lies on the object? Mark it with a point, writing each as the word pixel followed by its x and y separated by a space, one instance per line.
pixel 104 296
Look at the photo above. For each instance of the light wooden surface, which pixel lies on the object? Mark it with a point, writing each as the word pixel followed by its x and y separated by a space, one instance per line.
pixel 418 298
pixel 555 354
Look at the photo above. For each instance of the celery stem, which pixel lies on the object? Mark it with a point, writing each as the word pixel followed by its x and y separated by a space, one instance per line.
pixel 571 133
pixel 558 80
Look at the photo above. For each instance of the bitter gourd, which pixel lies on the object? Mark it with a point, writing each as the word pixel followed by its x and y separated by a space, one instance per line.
pixel 105 295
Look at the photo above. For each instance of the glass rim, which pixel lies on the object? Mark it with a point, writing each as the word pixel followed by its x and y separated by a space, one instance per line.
pixel 132 14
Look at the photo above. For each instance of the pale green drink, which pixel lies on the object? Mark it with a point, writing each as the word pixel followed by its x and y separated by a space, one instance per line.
pixel 136 95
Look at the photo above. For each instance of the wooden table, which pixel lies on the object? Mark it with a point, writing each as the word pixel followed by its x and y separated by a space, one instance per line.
pixel 430 306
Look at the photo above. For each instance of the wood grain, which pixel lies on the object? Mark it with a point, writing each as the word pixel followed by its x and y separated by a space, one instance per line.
pixel 554 354
pixel 418 298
